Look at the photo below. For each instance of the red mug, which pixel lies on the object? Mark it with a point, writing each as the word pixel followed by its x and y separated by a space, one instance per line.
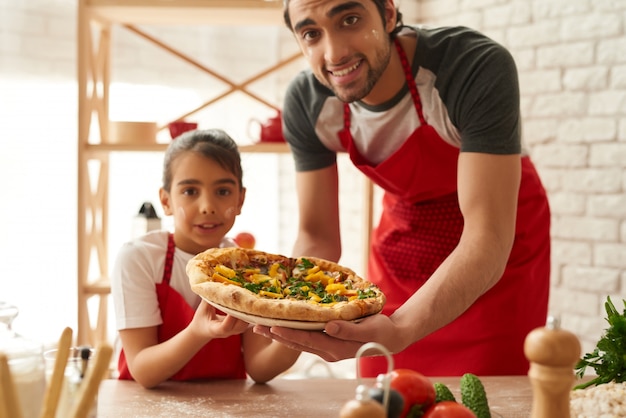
pixel 179 127
pixel 271 130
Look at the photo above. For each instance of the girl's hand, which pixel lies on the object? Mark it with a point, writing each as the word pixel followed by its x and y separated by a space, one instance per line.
pixel 208 324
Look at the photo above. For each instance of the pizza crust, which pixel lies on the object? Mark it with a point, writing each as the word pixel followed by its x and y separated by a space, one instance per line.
pixel 200 270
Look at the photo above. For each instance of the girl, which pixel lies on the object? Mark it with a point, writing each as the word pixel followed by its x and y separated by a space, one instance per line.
pixel 166 330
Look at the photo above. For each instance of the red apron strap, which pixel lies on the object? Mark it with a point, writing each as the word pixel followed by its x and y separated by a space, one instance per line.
pixel 410 82
pixel 408 74
pixel 169 259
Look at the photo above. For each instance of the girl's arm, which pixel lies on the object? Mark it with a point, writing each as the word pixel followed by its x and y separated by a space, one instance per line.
pixel 265 359
pixel 151 362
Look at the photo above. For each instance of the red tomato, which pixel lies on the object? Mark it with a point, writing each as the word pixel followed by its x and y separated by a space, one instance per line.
pixel 449 409
pixel 416 389
pixel 245 240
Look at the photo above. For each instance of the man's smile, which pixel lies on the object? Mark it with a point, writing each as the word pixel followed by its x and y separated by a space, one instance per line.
pixel 346 71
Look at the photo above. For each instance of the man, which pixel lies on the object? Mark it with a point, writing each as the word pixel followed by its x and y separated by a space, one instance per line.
pixel 462 249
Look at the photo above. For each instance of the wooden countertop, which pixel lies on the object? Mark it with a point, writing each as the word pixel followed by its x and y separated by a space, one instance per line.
pixel 509 396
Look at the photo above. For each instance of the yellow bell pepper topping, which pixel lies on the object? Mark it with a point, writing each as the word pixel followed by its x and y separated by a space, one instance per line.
pixel 259 278
pixel 314 297
pixel 219 278
pixel 271 294
pixel 225 271
pixel 273 272
pixel 313 270
pixel 318 276
pixel 335 288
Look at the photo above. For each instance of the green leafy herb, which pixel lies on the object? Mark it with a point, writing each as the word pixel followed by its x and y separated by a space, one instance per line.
pixel 608 359
pixel 305 264
pixel 364 294
pixel 253 287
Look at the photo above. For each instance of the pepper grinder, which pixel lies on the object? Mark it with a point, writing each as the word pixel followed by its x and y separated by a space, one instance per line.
pixel 553 353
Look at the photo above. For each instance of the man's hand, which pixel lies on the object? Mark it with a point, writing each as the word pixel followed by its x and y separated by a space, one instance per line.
pixel 340 339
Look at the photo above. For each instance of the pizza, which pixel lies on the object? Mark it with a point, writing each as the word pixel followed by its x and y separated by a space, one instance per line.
pixel 279 287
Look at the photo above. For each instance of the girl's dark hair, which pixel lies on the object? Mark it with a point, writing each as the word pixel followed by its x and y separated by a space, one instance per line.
pixel 380 5
pixel 210 143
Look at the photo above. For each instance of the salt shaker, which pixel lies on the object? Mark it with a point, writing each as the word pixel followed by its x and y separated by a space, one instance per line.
pixel 553 353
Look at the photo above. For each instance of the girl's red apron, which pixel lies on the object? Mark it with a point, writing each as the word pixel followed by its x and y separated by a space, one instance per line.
pixel 220 358
pixel 421 224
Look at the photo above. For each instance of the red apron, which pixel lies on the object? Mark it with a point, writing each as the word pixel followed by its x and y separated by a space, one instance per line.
pixel 421 224
pixel 220 358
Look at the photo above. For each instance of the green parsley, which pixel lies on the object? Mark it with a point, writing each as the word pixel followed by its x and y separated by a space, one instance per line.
pixel 608 359
pixel 305 264
pixel 253 287
pixel 364 294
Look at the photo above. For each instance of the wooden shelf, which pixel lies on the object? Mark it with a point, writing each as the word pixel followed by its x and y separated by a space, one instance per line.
pixel 268 147
pixel 101 286
pixel 172 12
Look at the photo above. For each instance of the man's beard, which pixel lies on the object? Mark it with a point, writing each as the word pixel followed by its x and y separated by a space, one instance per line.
pixel 348 95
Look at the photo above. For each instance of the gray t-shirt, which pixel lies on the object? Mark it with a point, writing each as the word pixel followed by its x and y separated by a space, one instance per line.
pixel 469 91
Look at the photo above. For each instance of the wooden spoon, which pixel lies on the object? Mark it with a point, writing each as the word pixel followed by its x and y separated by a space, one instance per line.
pixel 9 406
pixel 89 387
pixel 53 391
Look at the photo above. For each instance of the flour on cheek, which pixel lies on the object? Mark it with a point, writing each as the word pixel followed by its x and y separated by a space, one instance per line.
pixel 230 213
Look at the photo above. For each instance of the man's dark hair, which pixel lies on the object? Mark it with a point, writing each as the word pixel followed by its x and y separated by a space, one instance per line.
pixel 380 5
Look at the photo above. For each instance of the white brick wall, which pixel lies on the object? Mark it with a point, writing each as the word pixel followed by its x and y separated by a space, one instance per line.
pixel 572 63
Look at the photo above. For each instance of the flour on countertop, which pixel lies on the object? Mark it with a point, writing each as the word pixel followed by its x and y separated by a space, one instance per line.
pixel 603 401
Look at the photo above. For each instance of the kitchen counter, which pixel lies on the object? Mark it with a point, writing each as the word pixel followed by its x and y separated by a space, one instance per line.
pixel 509 396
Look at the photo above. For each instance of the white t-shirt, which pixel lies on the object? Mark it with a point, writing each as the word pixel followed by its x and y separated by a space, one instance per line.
pixel 138 268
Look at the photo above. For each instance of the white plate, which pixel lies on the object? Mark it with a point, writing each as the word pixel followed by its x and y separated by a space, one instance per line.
pixel 269 322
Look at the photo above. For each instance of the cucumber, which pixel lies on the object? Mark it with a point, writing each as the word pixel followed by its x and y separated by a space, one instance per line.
pixel 473 395
pixel 443 393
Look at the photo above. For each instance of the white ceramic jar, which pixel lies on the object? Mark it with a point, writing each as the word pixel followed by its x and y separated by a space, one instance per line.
pixel 26 364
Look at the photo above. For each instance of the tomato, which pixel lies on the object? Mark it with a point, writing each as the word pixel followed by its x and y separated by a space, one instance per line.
pixel 245 240
pixel 416 389
pixel 449 409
